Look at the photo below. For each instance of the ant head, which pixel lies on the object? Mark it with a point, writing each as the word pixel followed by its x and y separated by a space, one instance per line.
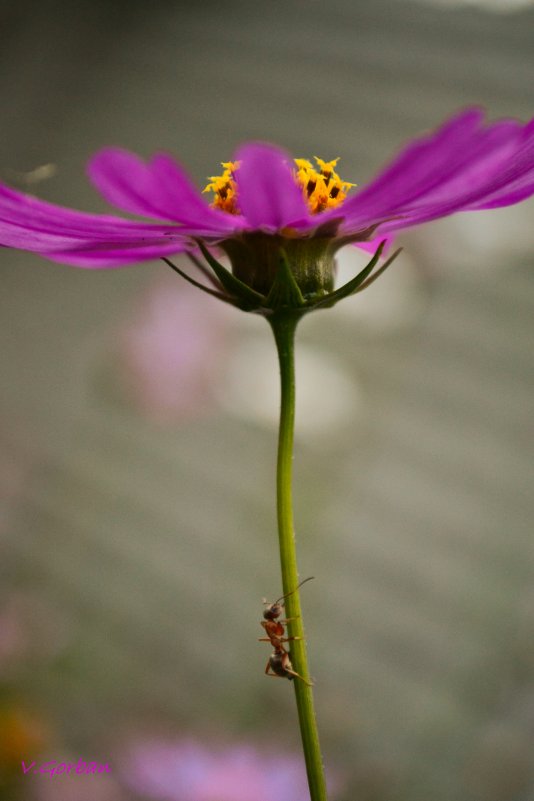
pixel 273 610
pixel 276 608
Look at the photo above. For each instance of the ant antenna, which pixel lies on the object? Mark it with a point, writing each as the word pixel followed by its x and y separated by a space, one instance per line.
pixel 293 591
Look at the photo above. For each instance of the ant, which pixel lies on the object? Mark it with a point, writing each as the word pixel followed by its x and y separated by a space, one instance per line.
pixel 279 662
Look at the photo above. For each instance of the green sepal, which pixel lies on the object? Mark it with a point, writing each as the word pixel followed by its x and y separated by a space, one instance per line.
pixel 285 292
pixel 372 278
pixel 213 292
pixel 358 282
pixel 352 285
pixel 247 298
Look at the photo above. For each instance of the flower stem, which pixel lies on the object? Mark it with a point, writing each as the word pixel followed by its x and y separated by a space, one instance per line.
pixel 283 324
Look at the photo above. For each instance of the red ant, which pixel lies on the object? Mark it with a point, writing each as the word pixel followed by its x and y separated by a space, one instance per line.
pixel 279 662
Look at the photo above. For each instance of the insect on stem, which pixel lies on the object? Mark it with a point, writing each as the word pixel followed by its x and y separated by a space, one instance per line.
pixel 279 663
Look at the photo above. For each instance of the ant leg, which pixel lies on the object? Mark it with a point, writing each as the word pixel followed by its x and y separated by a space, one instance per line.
pixel 289 619
pixel 298 676
pixel 287 639
pixel 278 639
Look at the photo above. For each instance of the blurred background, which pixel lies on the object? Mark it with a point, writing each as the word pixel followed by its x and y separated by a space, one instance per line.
pixel 138 421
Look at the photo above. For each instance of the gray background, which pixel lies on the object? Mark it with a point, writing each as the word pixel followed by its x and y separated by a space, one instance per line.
pixel 147 545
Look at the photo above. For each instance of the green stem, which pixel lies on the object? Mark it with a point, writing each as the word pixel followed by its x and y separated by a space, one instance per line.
pixel 284 324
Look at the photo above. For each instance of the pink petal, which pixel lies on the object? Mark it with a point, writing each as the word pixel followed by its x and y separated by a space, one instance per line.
pixel 421 165
pixel 372 244
pixel 462 166
pixel 106 255
pixel 268 195
pixel 500 173
pixel 86 240
pixel 159 189
pixel 32 214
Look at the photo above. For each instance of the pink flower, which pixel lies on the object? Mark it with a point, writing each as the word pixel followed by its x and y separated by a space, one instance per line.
pixel 270 209
pixel 184 770
pixel 464 165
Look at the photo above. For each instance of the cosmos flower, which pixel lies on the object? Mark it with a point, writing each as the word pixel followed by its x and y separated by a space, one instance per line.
pixel 269 208
pixel 185 770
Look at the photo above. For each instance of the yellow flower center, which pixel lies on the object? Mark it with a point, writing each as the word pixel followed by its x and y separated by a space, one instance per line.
pixel 321 185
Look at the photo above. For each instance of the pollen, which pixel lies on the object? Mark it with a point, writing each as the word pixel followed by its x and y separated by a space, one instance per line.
pixel 321 185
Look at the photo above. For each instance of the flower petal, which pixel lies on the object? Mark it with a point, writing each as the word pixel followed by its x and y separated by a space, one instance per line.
pixel 420 166
pixel 34 215
pixel 159 189
pixel 462 166
pixel 268 195
pixel 371 245
pixel 516 180
pixel 83 239
pixel 499 175
pixel 108 256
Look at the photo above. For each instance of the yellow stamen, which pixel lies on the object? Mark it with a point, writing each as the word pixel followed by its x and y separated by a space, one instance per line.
pixel 224 188
pixel 326 167
pixel 322 188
